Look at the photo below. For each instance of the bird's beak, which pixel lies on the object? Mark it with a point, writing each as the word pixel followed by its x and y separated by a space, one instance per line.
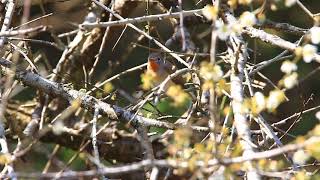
pixel 153 65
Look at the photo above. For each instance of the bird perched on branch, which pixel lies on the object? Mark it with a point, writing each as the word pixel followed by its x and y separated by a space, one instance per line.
pixel 158 74
pixel 159 69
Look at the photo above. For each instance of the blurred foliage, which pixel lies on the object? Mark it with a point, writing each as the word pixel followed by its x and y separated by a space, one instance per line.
pixel 178 101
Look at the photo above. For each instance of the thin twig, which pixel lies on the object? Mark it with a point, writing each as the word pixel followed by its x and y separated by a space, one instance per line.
pixel 305 9
pixel 273 39
pixel 7 20
pixel 103 43
pixel 155 17
pixel 23 31
pixel 94 137
pixel 116 77
pixel 144 33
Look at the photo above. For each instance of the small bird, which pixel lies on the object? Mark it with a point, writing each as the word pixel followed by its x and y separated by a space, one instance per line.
pixel 159 69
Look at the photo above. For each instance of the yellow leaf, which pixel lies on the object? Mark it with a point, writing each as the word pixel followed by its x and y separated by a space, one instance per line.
pixel 301 175
pixel 245 2
pixel 182 136
pixel 108 87
pixel 316 130
pixel 209 71
pixel 210 12
pixel 314 149
pixel 199 148
pixel 233 3
pixel 177 94
pixel 222 86
pixel 4 158
pixel 192 163
pixel 75 104
pixel 262 163
pixel 147 79
pixel 226 110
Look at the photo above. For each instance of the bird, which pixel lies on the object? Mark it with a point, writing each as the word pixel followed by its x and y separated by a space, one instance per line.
pixel 160 69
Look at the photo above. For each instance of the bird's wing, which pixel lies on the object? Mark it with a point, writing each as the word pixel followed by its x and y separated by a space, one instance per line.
pixel 170 68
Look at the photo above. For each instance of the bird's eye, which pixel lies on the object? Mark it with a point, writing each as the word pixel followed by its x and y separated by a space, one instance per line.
pixel 158 59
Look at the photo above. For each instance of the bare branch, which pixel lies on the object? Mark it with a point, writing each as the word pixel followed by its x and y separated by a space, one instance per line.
pixel 155 17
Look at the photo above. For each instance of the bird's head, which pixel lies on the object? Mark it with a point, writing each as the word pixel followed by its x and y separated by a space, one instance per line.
pixel 155 62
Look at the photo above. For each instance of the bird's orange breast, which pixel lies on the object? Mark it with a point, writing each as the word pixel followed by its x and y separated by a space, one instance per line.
pixel 153 66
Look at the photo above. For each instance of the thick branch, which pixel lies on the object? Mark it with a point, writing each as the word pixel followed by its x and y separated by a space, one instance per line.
pixel 177 164
pixel 113 112
pixel 238 52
